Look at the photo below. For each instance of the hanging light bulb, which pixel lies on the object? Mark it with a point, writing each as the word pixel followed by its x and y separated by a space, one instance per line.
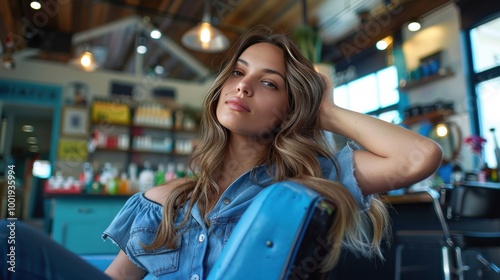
pixel 141 45
pixel 204 37
pixel 414 26
pixel 87 61
pixel 155 33
pixel 442 130
pixel 384 43
pixel 35 5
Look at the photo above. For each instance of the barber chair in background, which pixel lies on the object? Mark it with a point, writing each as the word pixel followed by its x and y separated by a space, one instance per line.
pixel 282 235
pixel 465 203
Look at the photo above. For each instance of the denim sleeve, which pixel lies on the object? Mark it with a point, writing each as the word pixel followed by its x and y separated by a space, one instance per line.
pixel 137 212
pixel 345 158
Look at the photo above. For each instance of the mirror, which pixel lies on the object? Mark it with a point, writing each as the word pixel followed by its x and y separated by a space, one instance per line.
pixel 449 136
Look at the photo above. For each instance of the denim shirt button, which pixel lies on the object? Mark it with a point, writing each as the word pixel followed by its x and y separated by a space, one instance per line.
pixel 194 277
pixel 201 238
pixel 226 201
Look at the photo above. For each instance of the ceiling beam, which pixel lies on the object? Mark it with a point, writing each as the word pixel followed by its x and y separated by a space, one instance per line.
pixel 175 50
pixel 382 25
pixel 6 14
pixel 164 42
pixel 93 33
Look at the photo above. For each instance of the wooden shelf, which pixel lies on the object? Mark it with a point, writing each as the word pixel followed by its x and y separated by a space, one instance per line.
pixel 146 151
pixel 426 80
pixel 432 117
pixel 104 149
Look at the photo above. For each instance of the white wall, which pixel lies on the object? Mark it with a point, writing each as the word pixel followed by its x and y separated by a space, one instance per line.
pixel 441 31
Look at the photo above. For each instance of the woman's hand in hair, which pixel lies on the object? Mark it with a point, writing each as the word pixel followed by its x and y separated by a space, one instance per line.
pixel 327 105
pixel 393 157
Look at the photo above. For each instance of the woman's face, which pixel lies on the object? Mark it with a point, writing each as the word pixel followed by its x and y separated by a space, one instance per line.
pixel 254 99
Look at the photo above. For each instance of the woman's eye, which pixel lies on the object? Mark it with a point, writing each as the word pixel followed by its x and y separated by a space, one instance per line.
pixel 269 84
pixel 236 73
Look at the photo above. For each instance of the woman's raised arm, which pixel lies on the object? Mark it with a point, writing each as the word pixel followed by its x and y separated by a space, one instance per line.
pixel 393 156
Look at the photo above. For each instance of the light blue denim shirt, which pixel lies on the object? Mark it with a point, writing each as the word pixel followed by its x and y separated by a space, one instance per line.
pixel 199 246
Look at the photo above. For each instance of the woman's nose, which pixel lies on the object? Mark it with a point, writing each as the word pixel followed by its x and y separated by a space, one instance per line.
pixel 244 88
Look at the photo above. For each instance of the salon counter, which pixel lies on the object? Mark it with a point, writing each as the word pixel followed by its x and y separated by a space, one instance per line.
pixel 78 221
pixel 416 197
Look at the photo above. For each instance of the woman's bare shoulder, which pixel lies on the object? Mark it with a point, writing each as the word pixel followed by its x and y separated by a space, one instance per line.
pixel 160 193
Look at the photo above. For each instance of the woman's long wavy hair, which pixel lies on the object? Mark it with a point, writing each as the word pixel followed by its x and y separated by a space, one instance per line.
pixel 293 150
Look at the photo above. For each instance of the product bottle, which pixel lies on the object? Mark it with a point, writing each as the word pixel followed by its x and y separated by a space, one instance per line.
pixel 106 175
pixel 112 184
pixel 170 174
pixel 123 185
pixel 497 150
pixel 146 178
pixel 88 174
pixel 180 172
pixel 160 175
pixel 132 171
pixel 457 175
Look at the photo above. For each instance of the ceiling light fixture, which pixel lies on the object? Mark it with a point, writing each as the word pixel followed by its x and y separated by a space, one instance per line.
pixel 35 5
pixel 87 61
pixel 31 140
pixel 204 37
pixel 28 128
pixel 155 33
pixel 441 130
pixel 141 44
pixel 384 43
pixel 414 26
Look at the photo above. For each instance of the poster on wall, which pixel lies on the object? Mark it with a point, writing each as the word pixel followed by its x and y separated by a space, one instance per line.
pixel 73 150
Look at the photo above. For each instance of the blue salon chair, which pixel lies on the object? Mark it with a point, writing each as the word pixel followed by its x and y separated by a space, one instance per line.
pixel 282 235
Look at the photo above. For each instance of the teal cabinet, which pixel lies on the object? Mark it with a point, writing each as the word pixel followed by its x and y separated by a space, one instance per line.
pixel 79 221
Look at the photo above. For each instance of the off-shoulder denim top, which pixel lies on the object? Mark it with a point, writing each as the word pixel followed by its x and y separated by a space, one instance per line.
pixel 199 246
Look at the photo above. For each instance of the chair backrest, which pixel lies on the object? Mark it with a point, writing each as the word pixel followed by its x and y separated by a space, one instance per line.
pixel 475 200
pixel 282 235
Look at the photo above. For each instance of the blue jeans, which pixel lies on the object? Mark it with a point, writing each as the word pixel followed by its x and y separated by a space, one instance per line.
pixel 28 253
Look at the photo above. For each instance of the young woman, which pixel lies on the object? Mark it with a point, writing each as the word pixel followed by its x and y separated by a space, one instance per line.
pixel 264 121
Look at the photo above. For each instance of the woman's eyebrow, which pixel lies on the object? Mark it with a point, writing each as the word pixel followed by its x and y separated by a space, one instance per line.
pixel 267 70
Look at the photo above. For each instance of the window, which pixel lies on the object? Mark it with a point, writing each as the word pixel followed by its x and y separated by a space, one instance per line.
pixel 375 94
pixel 485 41
pixel 488 95
pixel 485 80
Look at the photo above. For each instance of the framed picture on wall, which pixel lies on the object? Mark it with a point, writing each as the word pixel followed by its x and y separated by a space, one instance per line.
pixel 74 121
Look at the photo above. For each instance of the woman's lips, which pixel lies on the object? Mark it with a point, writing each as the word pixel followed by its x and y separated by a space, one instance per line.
pixel 237 105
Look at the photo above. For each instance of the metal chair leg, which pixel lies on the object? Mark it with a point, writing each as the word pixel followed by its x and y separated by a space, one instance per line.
pixel 447 267
pixel 487 263
pixel 398 261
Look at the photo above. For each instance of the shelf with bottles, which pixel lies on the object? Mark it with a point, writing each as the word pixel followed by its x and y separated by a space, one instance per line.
pixel 430 69
pixel 408 85
pixel 110 138
pixel 155 137
pixel 432 117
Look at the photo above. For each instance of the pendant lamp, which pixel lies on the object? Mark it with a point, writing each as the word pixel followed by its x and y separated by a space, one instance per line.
pixel 204 37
